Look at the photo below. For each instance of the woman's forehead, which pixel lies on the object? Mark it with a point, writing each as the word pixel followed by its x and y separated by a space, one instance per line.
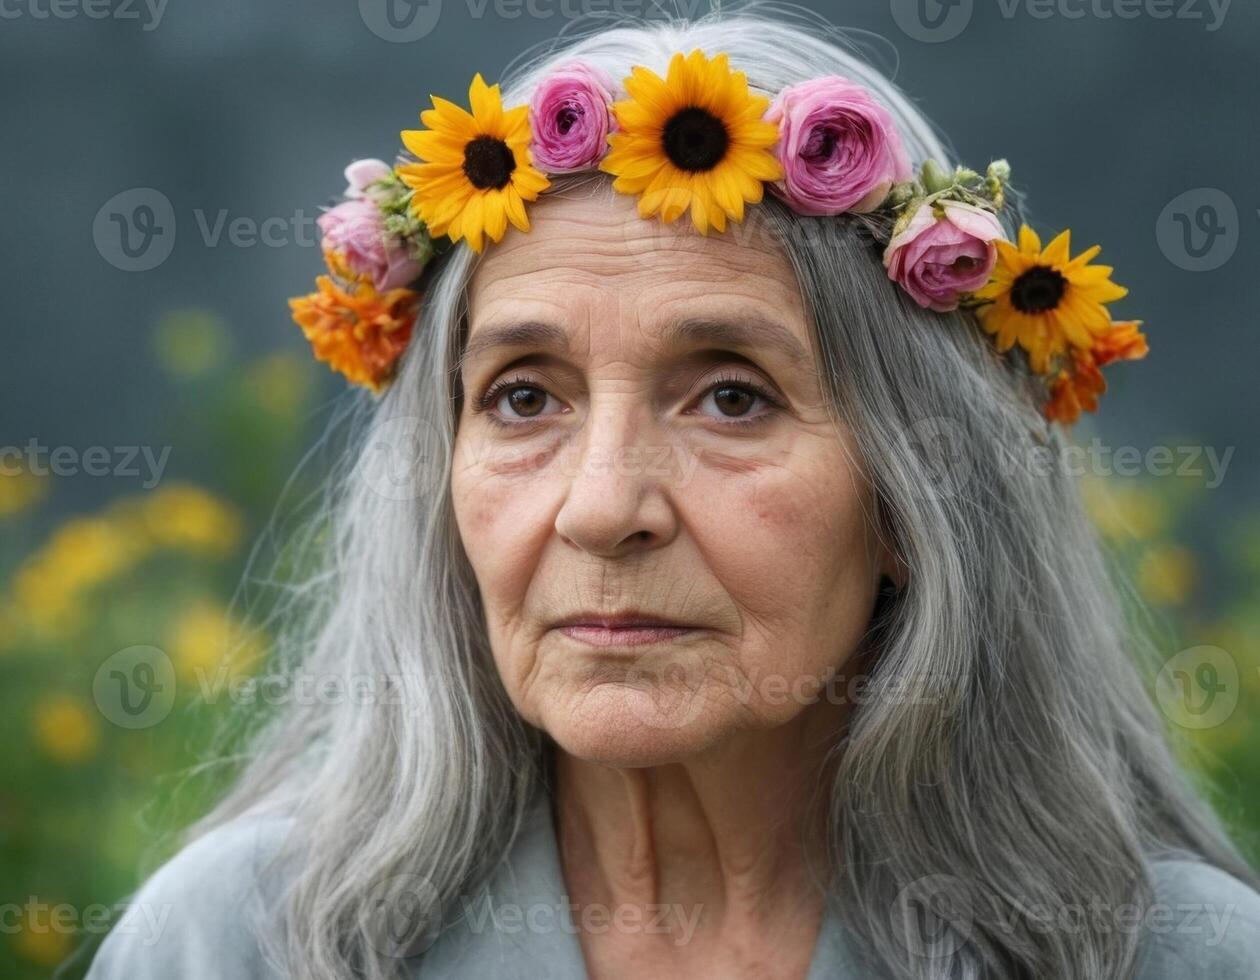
pixel 590 254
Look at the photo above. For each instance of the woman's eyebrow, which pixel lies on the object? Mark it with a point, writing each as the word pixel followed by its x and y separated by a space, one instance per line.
pixel 747 332
pixel 530 333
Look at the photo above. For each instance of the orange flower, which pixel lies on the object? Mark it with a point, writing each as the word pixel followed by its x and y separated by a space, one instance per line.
pixel 1077 388
pixel 1123 342
pixel 355 329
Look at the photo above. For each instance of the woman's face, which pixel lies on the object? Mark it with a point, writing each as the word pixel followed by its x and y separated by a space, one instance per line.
pixel 643 433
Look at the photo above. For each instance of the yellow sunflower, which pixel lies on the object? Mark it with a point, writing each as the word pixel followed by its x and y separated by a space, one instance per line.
pixel 1046 300
pixel 477 170
pixel 693 139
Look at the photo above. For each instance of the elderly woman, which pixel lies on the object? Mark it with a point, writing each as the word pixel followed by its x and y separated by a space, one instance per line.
pixel 699 598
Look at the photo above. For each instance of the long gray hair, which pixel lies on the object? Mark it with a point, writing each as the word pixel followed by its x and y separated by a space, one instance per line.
pixel 1029 769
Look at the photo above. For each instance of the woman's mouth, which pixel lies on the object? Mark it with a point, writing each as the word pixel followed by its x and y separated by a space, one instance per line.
pixel 627 628
pixel 617 636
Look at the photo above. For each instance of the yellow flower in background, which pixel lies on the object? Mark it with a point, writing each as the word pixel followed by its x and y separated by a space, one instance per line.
pixel 477 170
pixel 190 343
pixel 694 139
pixel 1123 511
pixel 281 383
pixel 19 492
pixel 187 517
pixel 66 728
pixel 1166 574
pixel 80 555
pixel 50 588
pixel 1045 300
pixel 205 637
pixel 37 939
pixel 87 550
pixel 42 602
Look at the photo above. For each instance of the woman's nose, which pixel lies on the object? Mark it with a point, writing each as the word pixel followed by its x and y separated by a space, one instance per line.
pixel 620 493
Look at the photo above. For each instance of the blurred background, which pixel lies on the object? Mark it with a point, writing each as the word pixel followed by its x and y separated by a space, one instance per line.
pixel 162 164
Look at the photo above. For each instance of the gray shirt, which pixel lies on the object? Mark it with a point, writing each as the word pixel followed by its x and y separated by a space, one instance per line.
pixel 194 919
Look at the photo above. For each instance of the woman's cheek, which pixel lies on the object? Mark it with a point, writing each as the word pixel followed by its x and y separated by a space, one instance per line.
pixel 801 565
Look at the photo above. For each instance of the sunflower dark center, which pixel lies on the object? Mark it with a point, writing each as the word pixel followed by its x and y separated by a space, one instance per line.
pixel 488 162
pixel 695 140
pixel 1038 290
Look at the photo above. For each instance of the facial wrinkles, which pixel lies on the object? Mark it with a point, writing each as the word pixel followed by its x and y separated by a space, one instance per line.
pixel 779 486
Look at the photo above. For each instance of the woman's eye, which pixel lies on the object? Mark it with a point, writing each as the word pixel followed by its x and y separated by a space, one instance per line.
pixel 735 400
pixel 522 401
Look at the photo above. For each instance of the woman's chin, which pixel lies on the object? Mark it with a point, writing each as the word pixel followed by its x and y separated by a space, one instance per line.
pixel 625 726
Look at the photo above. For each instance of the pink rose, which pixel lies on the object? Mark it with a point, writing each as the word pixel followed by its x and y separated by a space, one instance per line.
pixel 839 147
pixel 938 257
pixel 361 173
pixel 355 229
pixel 569 118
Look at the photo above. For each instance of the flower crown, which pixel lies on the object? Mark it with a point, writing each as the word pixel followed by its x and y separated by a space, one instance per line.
pixel 700 141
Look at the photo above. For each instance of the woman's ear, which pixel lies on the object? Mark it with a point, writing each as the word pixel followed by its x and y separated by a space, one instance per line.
pixel 892 567
pixel 893 570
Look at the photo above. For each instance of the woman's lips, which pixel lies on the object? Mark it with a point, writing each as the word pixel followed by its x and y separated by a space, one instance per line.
pixel 623 636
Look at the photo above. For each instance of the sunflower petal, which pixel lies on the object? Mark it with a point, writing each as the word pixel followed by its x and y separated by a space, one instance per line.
pixel 1058 252
pixel 1029 241
pixel 433 145
pixel 447 115
pixel 487 108
pixel 495 214
pixel 514 208
pixel 472 222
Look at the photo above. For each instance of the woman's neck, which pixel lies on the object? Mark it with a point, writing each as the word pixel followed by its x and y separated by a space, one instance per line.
pixel 718 847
